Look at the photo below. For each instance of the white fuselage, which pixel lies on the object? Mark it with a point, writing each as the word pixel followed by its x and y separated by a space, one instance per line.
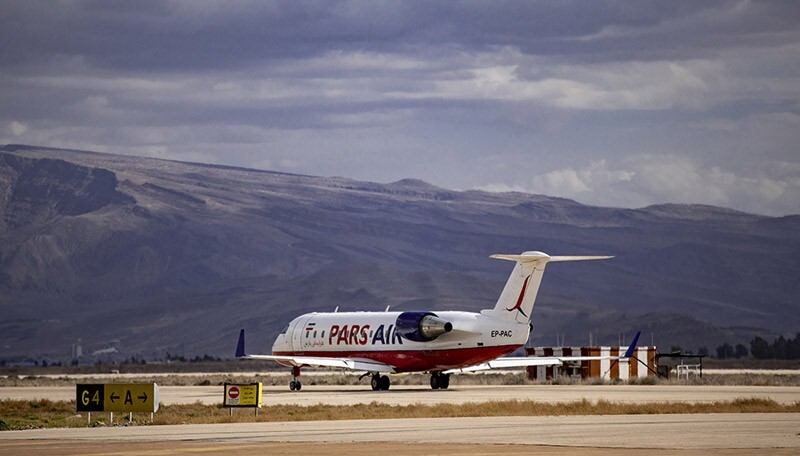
pixel 474 338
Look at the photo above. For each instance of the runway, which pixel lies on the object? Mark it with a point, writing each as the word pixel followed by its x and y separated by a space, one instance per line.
pixel 557 435
pixel 406 395
pixel 707 433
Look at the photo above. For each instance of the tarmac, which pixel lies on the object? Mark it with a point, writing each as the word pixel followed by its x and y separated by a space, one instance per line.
pixel 706 434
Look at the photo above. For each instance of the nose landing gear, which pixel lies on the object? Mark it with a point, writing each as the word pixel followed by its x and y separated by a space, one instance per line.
pixel 295 384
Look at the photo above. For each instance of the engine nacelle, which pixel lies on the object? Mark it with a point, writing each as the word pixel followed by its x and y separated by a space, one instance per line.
pixel 421 326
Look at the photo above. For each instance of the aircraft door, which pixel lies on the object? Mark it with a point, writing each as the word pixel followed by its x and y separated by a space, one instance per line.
pixel 298 334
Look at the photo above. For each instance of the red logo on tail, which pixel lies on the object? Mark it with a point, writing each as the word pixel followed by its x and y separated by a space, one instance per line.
pixel 521 296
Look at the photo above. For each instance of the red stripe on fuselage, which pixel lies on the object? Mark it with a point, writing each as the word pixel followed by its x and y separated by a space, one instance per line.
pixel 418 360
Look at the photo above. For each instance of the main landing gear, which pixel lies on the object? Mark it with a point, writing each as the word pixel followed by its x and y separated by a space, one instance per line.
pixel 380 382
pixel 295 384
pixel 440 380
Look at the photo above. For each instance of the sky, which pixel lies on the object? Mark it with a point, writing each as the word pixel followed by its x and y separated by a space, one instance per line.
pixel 622 104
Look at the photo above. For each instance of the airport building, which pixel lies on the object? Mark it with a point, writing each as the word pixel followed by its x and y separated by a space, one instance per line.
pixel 642 364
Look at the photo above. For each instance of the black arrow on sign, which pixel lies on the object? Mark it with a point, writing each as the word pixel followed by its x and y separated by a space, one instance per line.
pixel 113 397
pixel 143 397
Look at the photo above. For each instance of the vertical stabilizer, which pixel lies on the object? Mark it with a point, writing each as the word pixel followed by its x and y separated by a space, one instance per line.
pixel 517 299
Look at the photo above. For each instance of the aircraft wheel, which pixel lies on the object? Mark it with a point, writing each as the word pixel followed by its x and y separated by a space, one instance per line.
pixel 376 383
pixel 298 385
pixel 435 381
pixel 292 385
pixel 384 383
pixel 444 381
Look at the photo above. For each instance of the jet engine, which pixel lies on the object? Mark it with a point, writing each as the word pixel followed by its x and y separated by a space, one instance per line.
pixel 421 326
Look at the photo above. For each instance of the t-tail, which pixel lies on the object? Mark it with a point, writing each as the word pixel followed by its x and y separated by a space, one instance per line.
pixel 516 300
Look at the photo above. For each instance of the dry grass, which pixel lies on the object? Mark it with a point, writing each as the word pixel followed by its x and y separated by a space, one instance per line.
pixel 272 379
pixel 746 380
pixel 516 408
pixel 337 378
pixel 45 413
pixel 36 414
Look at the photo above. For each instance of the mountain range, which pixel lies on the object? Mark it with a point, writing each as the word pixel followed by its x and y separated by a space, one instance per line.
pixel 152 256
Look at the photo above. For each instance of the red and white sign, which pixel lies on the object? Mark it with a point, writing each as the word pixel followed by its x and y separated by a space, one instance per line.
pixel 242 395
pixel 233 393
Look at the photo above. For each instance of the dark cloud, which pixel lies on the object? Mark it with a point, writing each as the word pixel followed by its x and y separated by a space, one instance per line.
pixel 165 36
pixel 571 98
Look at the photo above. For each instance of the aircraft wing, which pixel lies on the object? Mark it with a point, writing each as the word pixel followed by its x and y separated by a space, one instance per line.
pixel 359 364
pixel 504 363
pixel 318 361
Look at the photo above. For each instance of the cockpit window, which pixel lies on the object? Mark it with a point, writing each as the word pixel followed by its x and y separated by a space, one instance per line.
pixel 284 330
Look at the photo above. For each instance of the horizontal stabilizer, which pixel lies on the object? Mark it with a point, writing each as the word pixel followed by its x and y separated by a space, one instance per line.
pixel 580 258
pixel 528 257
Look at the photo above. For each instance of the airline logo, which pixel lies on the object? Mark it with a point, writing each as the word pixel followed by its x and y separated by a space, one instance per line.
pixel 361 335
pixel 517 307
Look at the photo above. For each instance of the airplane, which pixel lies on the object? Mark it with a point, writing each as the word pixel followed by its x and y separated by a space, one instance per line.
pixel 440 343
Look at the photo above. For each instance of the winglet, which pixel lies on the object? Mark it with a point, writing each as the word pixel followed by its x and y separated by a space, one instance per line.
pixel 240 345
pixel 628 353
